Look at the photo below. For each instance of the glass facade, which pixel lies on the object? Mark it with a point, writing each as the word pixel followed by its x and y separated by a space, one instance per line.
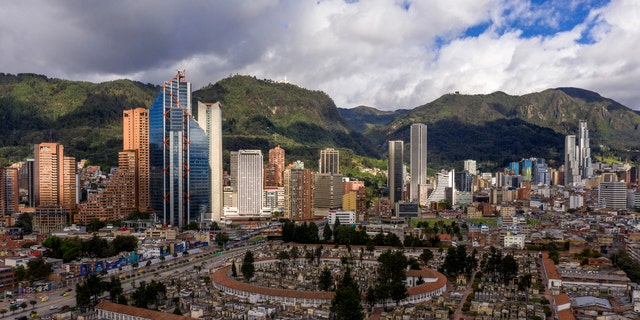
pixel 178 156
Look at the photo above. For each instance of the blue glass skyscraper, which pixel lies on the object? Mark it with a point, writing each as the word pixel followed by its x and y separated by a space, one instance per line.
pixel 179 156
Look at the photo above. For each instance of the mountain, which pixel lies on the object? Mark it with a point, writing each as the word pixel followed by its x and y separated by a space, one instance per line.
pixel 85 117
pixel 497 128
pixel 362 118
pixel 258 114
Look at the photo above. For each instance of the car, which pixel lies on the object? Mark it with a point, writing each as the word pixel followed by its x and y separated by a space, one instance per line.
pixel 66 294
pixel 34 315
pixel 44 299
pixel 53 307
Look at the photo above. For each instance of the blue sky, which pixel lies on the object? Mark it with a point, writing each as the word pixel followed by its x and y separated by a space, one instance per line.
pixel 387 54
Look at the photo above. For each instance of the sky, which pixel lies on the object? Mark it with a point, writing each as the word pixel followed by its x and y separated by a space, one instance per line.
pixel 386 54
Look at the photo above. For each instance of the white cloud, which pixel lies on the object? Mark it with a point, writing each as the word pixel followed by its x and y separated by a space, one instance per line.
pixel 365 53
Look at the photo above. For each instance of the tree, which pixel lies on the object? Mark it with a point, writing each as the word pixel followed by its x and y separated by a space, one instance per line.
pixel 346 303
pixel 53 245
pixel 509 268
pixel 38 269
pixel 287 231
pixel 221 238
pixel 122 300
pixel 3 311
pixel 234 272
pixel 125 243
pixel 21 273
pixel 371 297
pixel 326 280
pixel 33 303
pixel 177 311
pixel 193 225
pixel 23 306
pixel 247 268
pixel 391 276
pixel 294 253
pixel 24 221
pixel 71 249
pixel 426 256
pixel 327 233
pixel 420 280
pixel 215 226
pixel 95 225
pixel 13 308
pixel 115 289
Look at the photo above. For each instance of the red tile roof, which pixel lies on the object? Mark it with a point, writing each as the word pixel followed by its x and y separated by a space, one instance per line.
pixel 562 299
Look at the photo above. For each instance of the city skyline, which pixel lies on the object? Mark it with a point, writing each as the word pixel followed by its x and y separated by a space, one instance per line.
pixel 476 48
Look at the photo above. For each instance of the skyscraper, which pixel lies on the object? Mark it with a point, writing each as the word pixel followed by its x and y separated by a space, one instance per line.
pixel 55 176
pixel 571 173
pixel 470 165
pixel 298 193
pixel 395 177
pixel 418 159
pixel 584 151
pixel 210 120
pixel 135 136
pixel 179 156
pixel 8 191
pixel 276 159
pixel 250 182
pixel 329 161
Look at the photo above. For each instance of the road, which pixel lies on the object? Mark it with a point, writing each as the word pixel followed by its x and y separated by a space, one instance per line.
pixel 205 259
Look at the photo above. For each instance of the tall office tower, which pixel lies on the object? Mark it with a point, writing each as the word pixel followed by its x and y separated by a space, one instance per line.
pixel 571 171
pixel 210 120
pixel 276 159
pixel 515 167
pixel 233 172
pixel 135 136
pixel 178 156
pixel 541 174
pixel 9 196
pixel 444 180
pixel 298 193
pixel 55 176
pixel 464 181
pixel 470 166
pixel 249 182
pixel 395 177
pixel 613 195
pixel 584 151
pixel 418 159
pixel 329 161
pixel 327 191
pixel 527 169
pixel 119 198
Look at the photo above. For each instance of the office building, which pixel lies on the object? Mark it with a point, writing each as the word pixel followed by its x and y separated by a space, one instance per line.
pixel 395 174
pixel 179 156
pixel 329 161
pixel 9 197
pixel 444 182
pixel 135 136
pixel 418 160
pixel 298 193
pixel 571 173
pixel 210 120
pixel 470 166
pixel 249 189
pixel 273 199
pixel 613 195
pixel 527 169
pixel 464 181
pixel 55 176
pixel 584 151
pixel 327 191
pixel 274 170
pixel 541 174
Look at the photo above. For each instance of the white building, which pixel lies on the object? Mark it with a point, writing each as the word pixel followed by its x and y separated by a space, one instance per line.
pixel 514 241
pixel 249 190
pixel 345 217
pixel 444 180
pixel 210 120
pixel 613 195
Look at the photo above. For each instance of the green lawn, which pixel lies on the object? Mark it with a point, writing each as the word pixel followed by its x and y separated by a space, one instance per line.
pixel 492 222
pixel 432 221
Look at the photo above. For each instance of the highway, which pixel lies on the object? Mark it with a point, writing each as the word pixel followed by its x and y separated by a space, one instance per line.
pixel 206 259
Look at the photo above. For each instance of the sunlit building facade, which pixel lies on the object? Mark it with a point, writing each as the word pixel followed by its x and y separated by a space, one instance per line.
pixel 179 156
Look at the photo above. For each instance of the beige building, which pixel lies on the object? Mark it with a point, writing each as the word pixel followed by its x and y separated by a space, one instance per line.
pixel 55 176
pixel 135 136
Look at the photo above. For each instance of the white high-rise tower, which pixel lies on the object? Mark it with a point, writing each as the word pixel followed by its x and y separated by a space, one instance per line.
pixel 418 159
pixel 210 120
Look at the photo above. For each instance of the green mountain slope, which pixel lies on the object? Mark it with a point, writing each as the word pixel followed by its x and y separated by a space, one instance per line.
pixel 258 114
pixel 85 117
pixel 363 118
pixel 498 128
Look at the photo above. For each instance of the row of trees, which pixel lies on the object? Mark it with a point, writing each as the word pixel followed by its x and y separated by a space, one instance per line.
pixel 36 269
pixel 303 233
pixel 458 261
pixel 88 292
pixel 70 249
pixel 502 268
